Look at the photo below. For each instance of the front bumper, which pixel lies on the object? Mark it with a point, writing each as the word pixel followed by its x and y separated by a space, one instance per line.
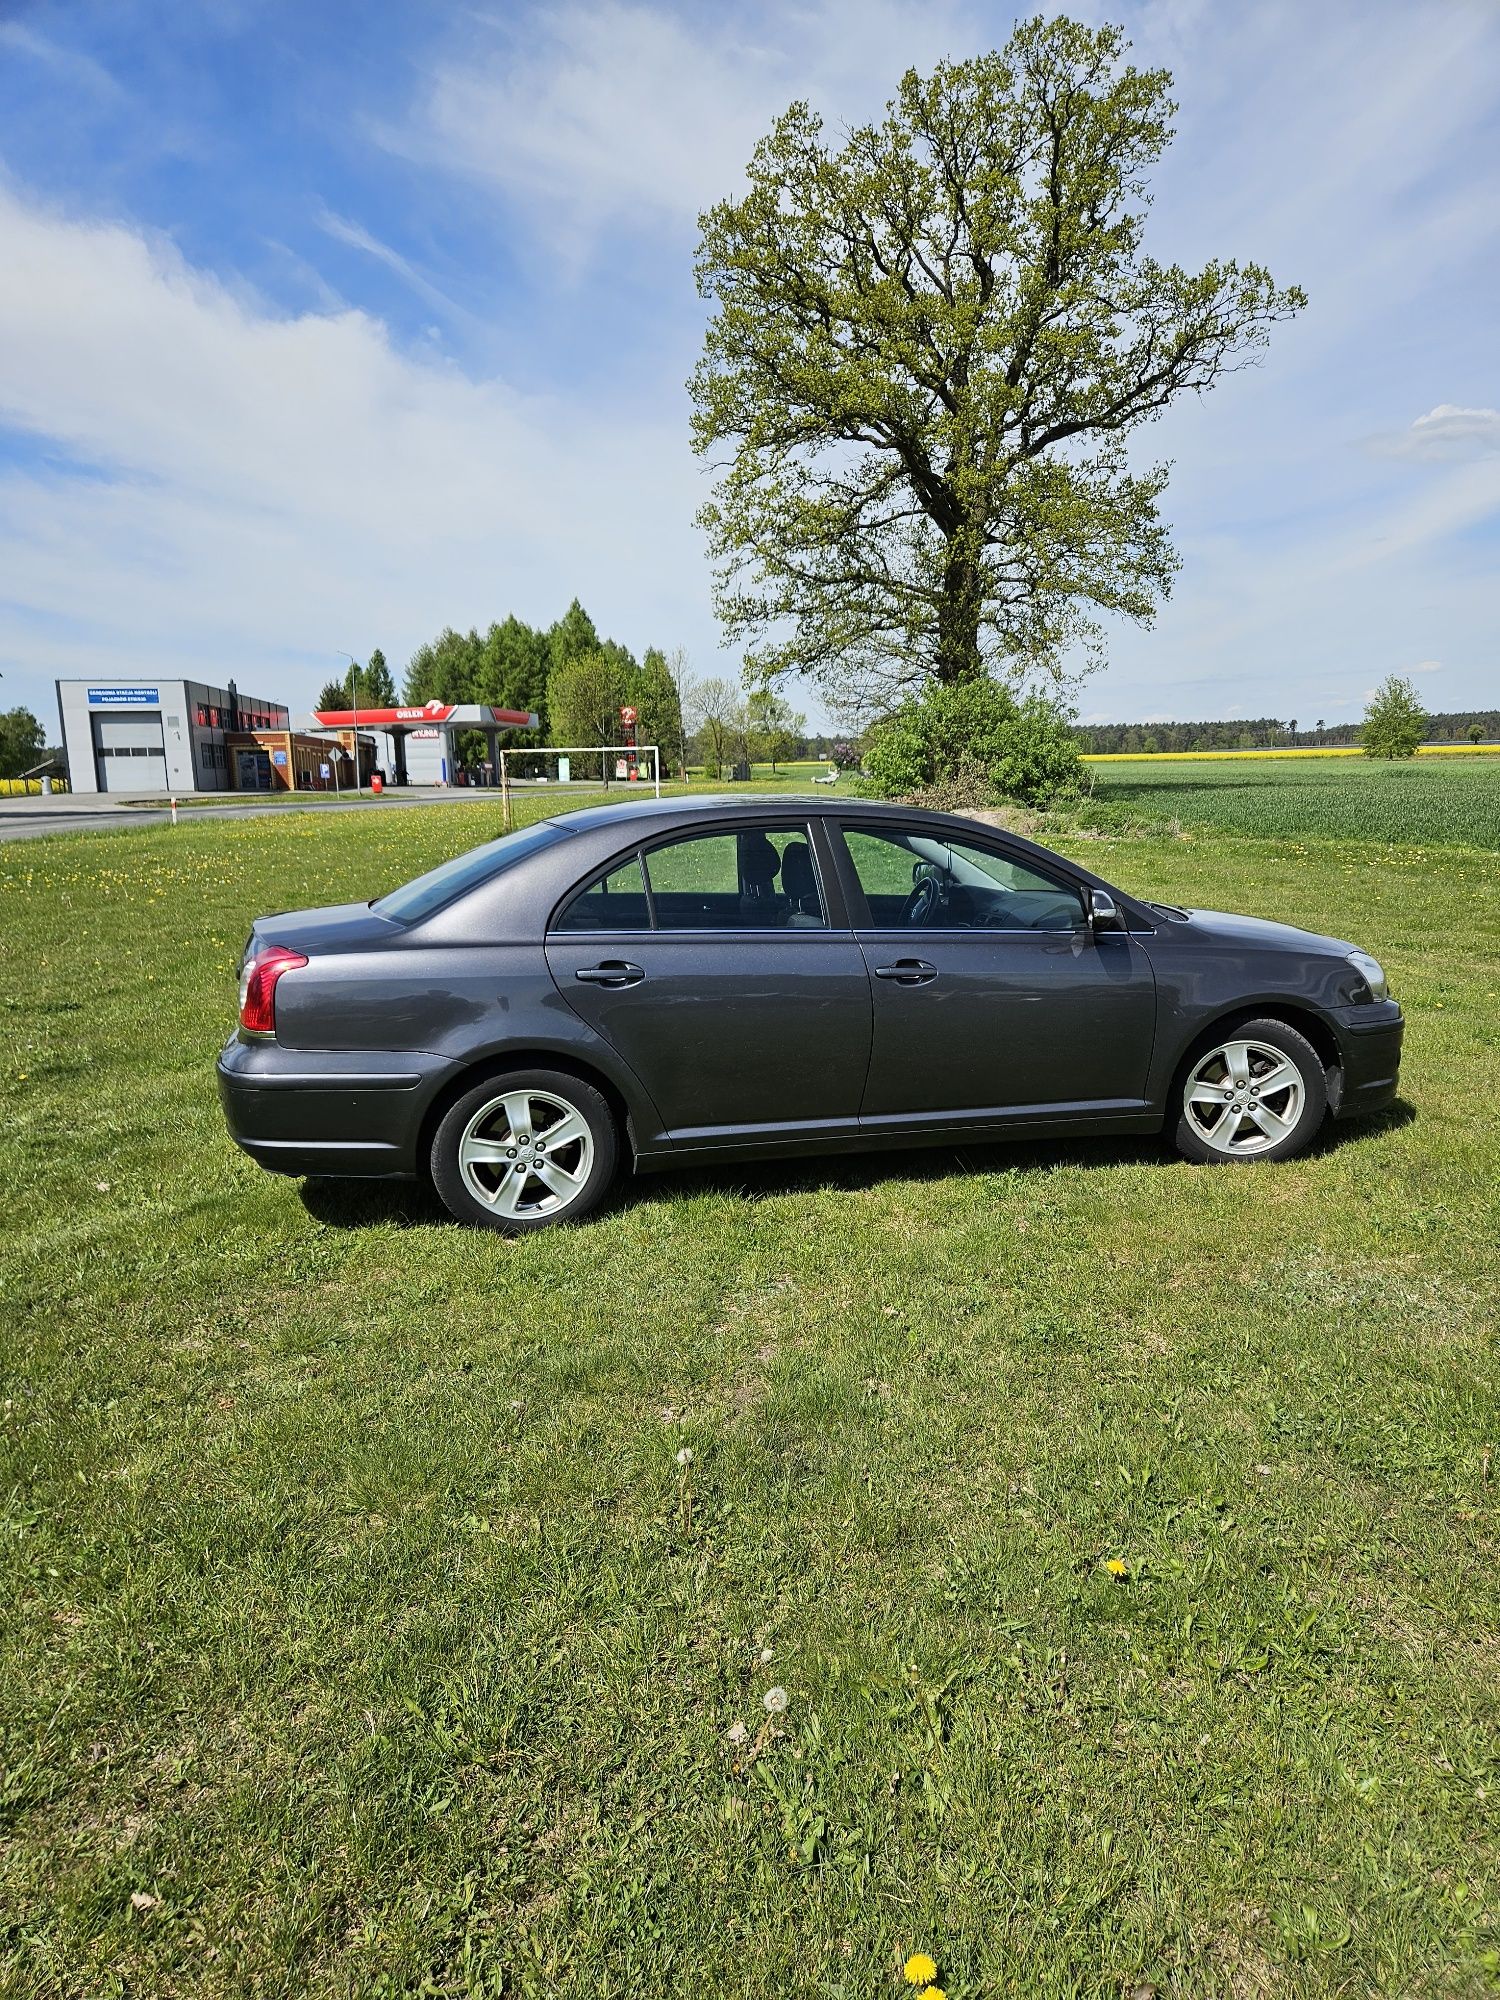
pixel 339 1112
pixel 1370 1048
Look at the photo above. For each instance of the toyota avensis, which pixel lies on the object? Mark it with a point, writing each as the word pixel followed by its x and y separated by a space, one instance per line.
pixel 680 981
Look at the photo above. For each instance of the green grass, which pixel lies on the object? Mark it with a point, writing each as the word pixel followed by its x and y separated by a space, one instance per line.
pixel 1440 800
pixel 357 1613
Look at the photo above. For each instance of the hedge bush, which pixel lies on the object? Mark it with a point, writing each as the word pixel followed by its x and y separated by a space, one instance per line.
pixel 976 744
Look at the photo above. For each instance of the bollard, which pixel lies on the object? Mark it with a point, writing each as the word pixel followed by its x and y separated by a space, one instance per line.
pixel 174 812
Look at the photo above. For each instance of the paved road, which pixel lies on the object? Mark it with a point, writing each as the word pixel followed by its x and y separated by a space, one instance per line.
pixel 30 819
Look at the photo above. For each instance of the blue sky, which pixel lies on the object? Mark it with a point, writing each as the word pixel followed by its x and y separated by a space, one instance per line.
pixel 324 326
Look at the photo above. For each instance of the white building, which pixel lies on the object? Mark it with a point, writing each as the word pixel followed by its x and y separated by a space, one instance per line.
pixel 157 736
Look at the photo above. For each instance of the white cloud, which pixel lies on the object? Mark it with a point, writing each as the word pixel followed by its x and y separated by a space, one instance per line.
pixel 356 237
pixel 1449 431
pixel 77 68
pixel 1427 667
pixel 252 491
pixel 604 113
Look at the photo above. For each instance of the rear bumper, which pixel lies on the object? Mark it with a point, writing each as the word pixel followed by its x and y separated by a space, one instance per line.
pixel 1370 1046
pixel 306 1111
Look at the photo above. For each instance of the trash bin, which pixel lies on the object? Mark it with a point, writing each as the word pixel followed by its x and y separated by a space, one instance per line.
pixel 46 788
pixel 377 784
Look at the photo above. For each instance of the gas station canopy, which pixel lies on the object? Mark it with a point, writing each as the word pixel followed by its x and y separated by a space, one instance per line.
pixel 431 715
pixel 440 719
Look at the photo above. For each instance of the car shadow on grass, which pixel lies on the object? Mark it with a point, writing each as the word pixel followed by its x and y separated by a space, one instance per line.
pixel 355 1204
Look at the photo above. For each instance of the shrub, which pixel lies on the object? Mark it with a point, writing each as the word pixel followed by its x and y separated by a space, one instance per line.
pixel 977 742
pixel 1395 721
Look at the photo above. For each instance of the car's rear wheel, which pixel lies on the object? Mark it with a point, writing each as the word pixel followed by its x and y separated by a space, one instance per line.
pixel 524 1150
pixel 1256 1093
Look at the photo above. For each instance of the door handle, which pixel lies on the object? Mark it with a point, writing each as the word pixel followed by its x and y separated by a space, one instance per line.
pixel 908 972
pixel 613 972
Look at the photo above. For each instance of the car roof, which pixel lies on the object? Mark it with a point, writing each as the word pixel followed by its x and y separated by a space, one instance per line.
pixel 710 805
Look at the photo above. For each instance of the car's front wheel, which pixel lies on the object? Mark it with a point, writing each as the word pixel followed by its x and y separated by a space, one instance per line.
pixel 1259 1093
pixel 524 1150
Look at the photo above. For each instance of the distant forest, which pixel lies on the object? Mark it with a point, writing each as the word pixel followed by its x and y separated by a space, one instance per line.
pixel 1267 733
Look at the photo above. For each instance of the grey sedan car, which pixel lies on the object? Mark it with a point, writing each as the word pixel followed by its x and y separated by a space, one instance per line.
pixel 673 982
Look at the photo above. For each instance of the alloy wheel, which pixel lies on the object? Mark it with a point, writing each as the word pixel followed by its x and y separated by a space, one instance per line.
pixel 526 1153
pixel 1243 1098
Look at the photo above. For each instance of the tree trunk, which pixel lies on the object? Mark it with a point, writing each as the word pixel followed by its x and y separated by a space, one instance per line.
pixel 958 657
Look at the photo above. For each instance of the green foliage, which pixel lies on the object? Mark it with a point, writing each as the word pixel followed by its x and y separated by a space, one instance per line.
pixel 978 738
pixel 584 696
pixel 1395 720
pixel 514 663
pixel 773 728
pixel 333 695
pixel 927 351
pixel 376 685
pixel 445 669
pixel 21 742
pixel 573 635
pixel 658 698
pixel 717 719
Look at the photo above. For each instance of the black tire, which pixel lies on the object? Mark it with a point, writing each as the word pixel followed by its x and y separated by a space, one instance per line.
pixel 570 1114
pixel 1208 1075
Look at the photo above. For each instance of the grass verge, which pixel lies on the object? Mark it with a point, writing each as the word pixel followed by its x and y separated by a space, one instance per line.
pixel 362 1633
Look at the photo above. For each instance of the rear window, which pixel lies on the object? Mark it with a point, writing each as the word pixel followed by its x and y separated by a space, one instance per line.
pixel 415 900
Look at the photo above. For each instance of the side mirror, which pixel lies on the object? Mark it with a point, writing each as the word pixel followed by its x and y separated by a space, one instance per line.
pixel 1104 912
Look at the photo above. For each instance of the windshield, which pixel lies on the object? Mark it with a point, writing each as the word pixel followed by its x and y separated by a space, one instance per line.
pixel 415 900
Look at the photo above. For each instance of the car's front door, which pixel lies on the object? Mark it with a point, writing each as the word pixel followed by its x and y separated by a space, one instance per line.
pixel 994 1000
pixel 708 961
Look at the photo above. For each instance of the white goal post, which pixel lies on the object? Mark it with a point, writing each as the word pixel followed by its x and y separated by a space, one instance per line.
pixel 517 768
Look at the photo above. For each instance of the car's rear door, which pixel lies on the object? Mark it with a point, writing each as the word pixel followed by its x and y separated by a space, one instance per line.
pixel 720 964
pixel 994 1002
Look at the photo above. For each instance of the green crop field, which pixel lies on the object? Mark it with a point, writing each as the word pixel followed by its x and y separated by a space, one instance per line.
pixel 1449 799
pixel 361 1633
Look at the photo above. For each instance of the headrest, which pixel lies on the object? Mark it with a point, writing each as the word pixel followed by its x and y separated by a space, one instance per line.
pixel 797 877
pixel 759 861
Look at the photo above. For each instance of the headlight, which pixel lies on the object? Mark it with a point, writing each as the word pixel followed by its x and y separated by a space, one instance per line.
pixel 1369 971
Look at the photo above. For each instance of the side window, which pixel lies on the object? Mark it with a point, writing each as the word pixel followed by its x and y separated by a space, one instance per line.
pixel 614 902
pixel 762 878
pixel 914 880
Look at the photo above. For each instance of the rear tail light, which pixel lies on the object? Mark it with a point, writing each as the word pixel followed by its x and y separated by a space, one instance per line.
pixel 258 987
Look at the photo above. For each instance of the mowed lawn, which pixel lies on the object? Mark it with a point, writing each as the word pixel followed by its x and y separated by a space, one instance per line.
pixel 363 1634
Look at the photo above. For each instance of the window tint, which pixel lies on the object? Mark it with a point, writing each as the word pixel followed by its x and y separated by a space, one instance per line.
pixel 918 881
pixel 616 902
pixel 759 879
pixel 429 892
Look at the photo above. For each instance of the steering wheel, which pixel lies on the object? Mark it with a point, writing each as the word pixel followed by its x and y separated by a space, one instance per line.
pixel 921 905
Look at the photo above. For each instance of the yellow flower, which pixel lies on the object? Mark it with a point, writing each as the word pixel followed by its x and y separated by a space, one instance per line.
pixel 919 1970
pixel 1116 1567
pixel 932 1993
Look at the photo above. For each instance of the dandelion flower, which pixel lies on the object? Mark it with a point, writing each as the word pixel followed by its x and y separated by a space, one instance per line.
pixel 932 1993
pixel 685 1456
pixel 766 1654
pixel 1116 1567
pixel 919 1970
pixel 776 1701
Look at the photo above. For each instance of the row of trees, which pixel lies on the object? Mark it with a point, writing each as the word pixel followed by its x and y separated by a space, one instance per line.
pixel 577 682
pixel 1268 733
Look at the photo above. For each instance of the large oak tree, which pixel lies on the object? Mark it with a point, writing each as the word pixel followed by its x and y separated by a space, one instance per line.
pixel 928 349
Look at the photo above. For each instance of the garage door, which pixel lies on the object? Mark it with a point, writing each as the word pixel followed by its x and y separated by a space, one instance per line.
pixel 130 753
